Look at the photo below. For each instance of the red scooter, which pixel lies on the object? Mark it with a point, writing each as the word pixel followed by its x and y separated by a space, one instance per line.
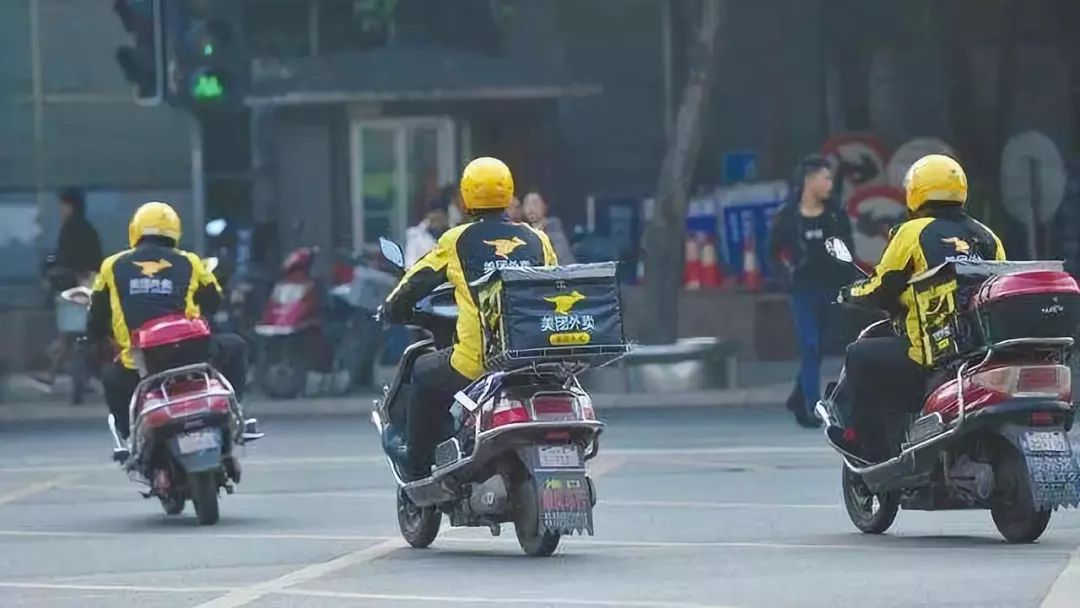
pixel 992 431
pixel 290 331
pixel 185 419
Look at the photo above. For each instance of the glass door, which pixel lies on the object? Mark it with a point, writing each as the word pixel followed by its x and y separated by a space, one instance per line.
pixel 398 165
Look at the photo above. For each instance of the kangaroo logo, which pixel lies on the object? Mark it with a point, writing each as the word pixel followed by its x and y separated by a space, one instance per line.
pixel 960 245
pixel 504 247
pixel 151 268
pixel 563 303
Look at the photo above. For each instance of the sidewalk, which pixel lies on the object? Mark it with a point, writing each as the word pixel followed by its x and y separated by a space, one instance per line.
pixel 764 385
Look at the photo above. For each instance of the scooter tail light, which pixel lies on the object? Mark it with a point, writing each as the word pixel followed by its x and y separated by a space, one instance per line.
pixel 1027 381
pixel 506 410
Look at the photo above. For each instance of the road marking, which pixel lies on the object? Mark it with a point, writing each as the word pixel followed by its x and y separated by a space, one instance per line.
pixel 604 464
pixel 128 588
pixel 1065 590
pixel 36 488
pixel 311 593
pixel 247 595
pixel 576 541
pixel 693 504
pixel 502 601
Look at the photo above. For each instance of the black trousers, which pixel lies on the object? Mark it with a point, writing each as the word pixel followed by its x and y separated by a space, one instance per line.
pixel 228 354
pixel 428 418
pixel 885 384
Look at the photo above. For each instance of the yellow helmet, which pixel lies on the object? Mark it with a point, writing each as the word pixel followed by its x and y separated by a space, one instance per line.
pixel 486 183
pixel 154 219
pixel 935 178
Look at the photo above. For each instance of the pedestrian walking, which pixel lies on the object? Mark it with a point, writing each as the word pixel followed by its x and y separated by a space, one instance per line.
pixel 797 246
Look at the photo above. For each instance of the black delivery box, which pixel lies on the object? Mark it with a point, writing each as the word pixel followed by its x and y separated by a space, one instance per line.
pixel 551 314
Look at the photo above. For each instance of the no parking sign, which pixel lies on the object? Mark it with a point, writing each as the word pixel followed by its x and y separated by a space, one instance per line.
pixel 874 210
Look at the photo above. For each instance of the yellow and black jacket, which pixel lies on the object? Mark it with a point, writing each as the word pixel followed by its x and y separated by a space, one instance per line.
pixel 464 254
pixel 149 281
pixel 941 234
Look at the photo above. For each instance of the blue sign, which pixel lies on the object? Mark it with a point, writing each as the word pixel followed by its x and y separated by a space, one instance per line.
pixel 740 167
pixel 744 221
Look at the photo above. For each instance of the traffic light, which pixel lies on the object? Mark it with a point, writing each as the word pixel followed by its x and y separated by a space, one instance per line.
pixel 143 62
pixel 210 65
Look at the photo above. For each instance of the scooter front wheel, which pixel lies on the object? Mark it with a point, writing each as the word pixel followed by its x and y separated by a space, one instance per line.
pixel 871 513
pixel 419 525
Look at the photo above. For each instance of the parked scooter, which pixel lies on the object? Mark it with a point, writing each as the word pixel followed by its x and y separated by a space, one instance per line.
pixel 522 432
pixel 304 330
pixel 992 432
pixel 186 423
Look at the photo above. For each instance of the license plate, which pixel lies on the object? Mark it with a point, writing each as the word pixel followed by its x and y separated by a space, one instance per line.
pixel 199 440
pixel 1054 441
pixel 559 456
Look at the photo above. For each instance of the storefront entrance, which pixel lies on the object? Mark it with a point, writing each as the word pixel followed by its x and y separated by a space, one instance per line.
pixel 397 166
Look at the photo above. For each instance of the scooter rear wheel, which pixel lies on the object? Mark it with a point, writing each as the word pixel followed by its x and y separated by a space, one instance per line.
pixel 871 513
pixel 419 525
pixel 204 495
pixel 526 521
pixel 1013 508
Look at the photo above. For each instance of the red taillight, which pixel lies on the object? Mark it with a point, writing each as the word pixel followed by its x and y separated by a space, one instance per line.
pixel 553 404
pixel 507 411
pixel 1043 419
pixel 1044 381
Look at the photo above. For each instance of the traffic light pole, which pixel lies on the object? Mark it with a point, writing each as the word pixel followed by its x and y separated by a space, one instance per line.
pixel 198 186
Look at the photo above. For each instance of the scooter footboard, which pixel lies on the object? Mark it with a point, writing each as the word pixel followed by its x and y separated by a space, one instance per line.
pixel 564 493
pixel 1053 471
pixel 199 450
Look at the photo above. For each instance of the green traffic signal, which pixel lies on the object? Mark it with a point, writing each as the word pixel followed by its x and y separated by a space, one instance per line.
pixel 208 87
pixel 208 49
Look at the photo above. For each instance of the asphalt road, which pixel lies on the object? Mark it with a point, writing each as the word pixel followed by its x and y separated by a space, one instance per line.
pixel 698 507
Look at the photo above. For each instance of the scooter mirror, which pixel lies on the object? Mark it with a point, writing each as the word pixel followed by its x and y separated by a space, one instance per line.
pixel 211 263
pixel 215 228
pixel 838 250
pixel 392 252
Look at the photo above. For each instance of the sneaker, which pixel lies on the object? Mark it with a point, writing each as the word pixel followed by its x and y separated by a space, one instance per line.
pixel 41 382
pixel 807 420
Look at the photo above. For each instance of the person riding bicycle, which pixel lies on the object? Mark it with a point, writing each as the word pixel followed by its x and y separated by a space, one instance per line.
pixel 462 255
pixel 888 374
pixel 155 278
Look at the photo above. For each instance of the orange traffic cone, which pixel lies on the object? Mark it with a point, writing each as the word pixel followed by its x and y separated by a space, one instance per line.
pixel 691 265
pixel 711 275
pixel 751 272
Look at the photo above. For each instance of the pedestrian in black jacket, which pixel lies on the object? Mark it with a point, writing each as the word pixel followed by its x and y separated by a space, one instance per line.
pixel 78 257
pixel 797 247
pixel 79 246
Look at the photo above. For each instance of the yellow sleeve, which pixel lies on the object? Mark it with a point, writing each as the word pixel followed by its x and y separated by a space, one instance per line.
pixel 425 275
pixel 898 262
pixel 999 255
pixel 200 275
pixel 550 259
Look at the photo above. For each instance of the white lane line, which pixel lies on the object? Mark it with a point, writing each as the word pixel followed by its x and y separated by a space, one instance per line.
pixel 506 601
pixel 36 488
pixel 604 464
pixel 693 504
pixel 1065 591
pixel 502 601
pixel 252 593
pixel 124 588
pixel 576 541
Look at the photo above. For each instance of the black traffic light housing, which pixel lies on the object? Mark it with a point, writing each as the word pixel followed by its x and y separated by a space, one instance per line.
pixel 208 60
pixel 143 62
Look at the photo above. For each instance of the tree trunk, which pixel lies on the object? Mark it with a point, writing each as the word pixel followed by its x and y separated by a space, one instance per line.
pixel 663 247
